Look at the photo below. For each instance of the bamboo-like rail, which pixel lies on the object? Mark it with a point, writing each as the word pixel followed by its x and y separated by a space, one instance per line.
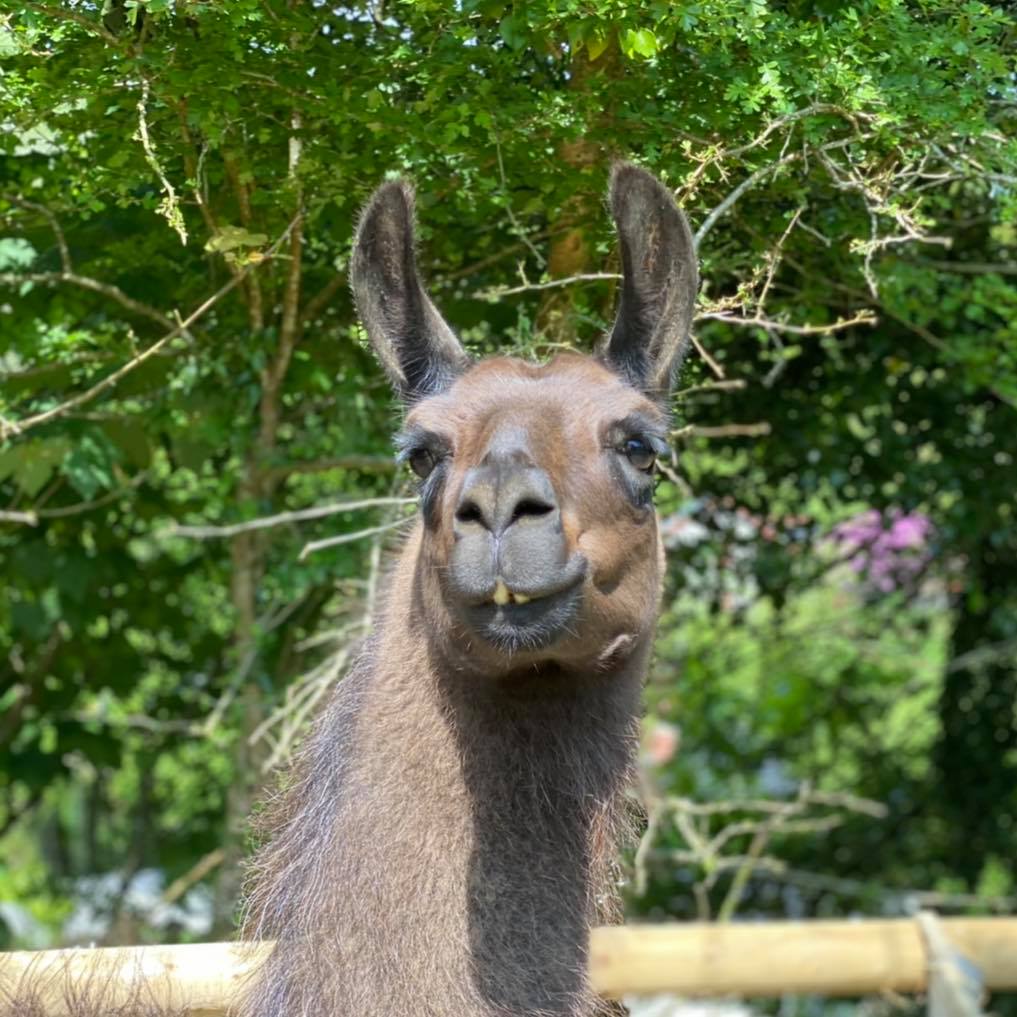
pixel 832 958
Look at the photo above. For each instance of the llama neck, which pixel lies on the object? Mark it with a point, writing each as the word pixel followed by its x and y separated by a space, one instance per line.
pixel 543 778
pixel 449 842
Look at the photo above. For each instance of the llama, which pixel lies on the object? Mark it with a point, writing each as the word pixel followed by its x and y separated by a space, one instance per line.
pixel 446 839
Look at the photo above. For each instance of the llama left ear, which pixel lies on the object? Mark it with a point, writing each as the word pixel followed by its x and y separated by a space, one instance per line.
pixel 418 350
pixel 658 292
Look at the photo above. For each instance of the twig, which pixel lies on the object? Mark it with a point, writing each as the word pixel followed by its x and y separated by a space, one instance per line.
pixel 320 300
pixel 732 385
pixel 348 538
pixel 774 259
pixel 519 231
pixel 750 181
pixel 169 207
pixel 704 353
pixel 773 817
pixel 88 283
pixel 50 217
pixel 725 431
pixel 768 805
pixel 195 874
pixel 19 427
pixel 865 317
pixel 497 292
pixel 491 259
pixel 970 267
pixel 27 518
pixel 760 174
pixel 280 519
pixel 64 14
pixel 86 506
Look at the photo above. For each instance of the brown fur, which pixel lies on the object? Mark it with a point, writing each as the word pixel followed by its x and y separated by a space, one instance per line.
pixel 449 834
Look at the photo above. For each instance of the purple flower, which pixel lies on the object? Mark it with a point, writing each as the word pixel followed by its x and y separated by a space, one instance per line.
pixel 889 550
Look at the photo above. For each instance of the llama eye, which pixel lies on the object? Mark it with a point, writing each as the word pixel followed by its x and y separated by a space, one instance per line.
pixel 639 453
pixel 422 461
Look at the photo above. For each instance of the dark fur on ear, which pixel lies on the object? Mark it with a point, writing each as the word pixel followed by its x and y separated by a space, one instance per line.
pixel 658 293
pixel 414 344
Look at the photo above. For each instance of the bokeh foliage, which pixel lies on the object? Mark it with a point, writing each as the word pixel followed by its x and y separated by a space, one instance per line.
pixel 852 171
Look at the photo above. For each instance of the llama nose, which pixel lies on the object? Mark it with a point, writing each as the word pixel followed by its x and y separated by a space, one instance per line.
pixel 500 495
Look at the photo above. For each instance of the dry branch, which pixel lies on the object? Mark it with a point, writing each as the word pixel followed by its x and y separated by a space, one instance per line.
pixel 88 283
pixel 497 292
pixel 757 430
pixel 24 518
pixel 280 519
pixel 349 538
pixel 708 828
pixel 865 317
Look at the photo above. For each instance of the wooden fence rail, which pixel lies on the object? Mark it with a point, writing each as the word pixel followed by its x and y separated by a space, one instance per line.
pixel 832 958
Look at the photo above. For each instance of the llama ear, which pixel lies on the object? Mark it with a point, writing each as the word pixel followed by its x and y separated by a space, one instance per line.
pixel 658 292
pixel 418 350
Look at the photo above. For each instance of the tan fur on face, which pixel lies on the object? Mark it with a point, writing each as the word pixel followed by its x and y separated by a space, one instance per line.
pixel 565 411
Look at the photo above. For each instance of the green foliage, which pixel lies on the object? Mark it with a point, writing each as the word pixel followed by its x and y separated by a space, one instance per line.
pixel 852 168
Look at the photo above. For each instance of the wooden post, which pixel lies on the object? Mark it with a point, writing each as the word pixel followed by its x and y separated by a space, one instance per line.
pixel 199 979
pixel 837 958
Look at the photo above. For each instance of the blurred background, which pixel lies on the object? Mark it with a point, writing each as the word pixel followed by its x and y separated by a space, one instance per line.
pixel 187 403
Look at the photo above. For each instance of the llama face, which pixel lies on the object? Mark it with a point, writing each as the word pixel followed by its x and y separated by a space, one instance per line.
pixel 539 539
pixel 536 492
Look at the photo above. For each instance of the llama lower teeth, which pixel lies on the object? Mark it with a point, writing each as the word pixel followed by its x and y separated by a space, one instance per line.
pixel 521 598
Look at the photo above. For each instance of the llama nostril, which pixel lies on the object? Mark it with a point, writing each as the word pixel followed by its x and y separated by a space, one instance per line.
pixel 469 512
pixel 531 507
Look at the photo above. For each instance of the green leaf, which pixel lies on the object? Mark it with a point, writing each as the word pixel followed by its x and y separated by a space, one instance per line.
pixel 641 42
pixel 32 463
pixel 596 44
pixel 16 252
pixel 512 28
pixel 89 467
pixel 230 238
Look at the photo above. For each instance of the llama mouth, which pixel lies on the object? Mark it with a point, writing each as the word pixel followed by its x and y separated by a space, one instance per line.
pixel 514 621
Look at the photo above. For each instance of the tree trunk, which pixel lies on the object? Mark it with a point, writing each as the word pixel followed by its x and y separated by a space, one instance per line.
pixel 976 756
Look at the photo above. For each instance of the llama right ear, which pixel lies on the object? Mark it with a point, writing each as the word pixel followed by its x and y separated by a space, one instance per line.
pixel 658 292
pixel 418 350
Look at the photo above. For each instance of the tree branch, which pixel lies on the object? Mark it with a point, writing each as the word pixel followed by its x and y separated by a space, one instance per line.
pixel 865 317
pixel 725 431
pixel 58 233
pixel 26 518
pixel 64 14
pixel 348 538
pixel 281 518
pixel 320 300
pixel 169 207
pixel 496 292
pixel 88 283
pixel 19 427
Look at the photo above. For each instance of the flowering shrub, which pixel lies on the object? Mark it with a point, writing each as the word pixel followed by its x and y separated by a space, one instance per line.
pixel 890 551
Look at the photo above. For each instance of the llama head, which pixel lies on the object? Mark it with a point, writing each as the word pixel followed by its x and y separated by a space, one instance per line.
pixel 539 540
